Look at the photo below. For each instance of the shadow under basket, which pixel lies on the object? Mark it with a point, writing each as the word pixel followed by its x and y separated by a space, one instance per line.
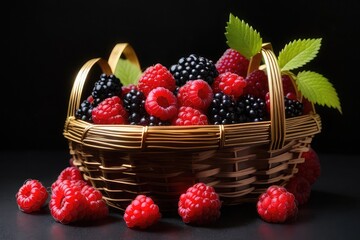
pixel 239 160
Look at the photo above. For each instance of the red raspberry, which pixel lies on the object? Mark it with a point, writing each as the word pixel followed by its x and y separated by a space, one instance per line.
pixel 79 183
pixel 31 196
pixel 190 116
pixel 96 207
pixel 300 187
pixel 156 76
pixel 200 205
pixel 257 84
pixel 310 169
pixel 71 173
pixel 232 61
pixel 142 213
pixel 196 94
pixel 67 204
pixel 161 103
pixel 277 205
pixel 287 83
pixel 110 111
pixel 231 84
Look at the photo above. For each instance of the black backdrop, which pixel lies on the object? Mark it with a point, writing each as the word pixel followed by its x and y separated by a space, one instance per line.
pixel 45 43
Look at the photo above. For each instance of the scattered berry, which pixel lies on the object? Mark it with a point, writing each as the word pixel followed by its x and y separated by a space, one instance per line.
pixel 190 116
pixel 142 213
pixel 257 84
pixel 310 169
pixel 107 86
pixel 196 94
pixel 156 76
pixel 67 204
pixel 194 67
pixel 200 205
pixel 161 103
pixel 300 187
pixel 31 196
pixel 232 61
pixel 231 84
pixel 95 205
pixel 277 205
pixel 110 111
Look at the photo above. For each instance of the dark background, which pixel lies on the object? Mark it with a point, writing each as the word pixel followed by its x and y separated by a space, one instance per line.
pixel 46 42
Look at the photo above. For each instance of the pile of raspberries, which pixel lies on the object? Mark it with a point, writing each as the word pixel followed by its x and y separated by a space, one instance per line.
pixel 193 91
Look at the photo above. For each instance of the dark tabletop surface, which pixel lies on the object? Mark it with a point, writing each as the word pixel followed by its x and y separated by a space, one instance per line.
pixel 333 211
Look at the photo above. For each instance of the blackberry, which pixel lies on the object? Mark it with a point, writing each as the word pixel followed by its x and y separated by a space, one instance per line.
pixel 222 110
pixel 134 103
pixel 251 109
pixel 107 86
pixel 194 67
pixel 293 108
pixel 84 111
pixel 150 120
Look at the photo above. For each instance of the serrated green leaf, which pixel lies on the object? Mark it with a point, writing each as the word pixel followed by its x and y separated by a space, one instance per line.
pixel 317 89
pixel 242 37
pixel 127 72
pixel 297 53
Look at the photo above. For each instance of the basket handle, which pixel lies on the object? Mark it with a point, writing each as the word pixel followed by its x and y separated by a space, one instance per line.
pixel 122 49
pixel 76 91
pixel 277 108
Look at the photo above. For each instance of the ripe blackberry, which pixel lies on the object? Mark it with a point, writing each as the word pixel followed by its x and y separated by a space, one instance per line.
pixel 194 67
pixel 107 86
pixel 134 103
pixel 85 109
pixel 222 110
pixel 251 109
pixel 149 120
pixel 293 108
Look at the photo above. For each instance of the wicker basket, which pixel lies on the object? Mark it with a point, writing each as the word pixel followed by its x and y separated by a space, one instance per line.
pixel 239 160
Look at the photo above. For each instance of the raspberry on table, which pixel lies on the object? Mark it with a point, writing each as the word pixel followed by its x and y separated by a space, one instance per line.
pixel 232 61
pixel 197 94
pixel 142 213
pixel 300 187
pixel 231 84
pixel 110 111
pixel 277 205
pixel 161 103
pixel 31 196
pixel 67 203
pixel 156 76
pixel 310 169
pixel 199 205
pixel 95 205
pixel 190 116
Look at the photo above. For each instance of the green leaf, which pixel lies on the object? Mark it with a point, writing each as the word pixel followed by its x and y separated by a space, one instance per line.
pixel 127 72
pixel 242 37
pixel 297 53
pixel 317 89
